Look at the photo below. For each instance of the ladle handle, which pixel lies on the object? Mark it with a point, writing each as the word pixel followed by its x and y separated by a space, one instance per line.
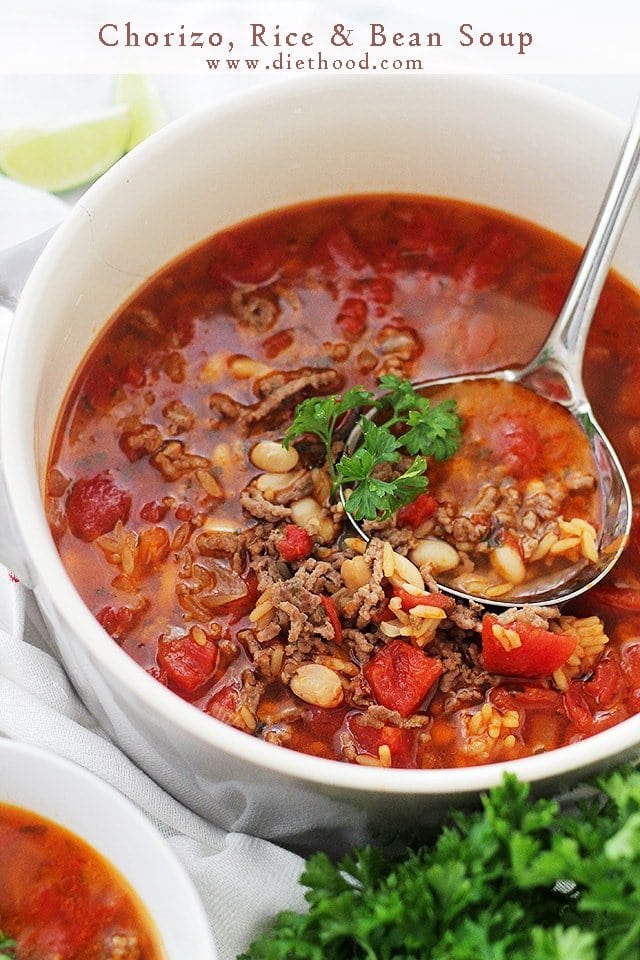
pixel 568 336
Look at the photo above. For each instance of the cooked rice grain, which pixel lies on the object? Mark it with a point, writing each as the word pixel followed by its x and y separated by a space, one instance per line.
pixel 591 641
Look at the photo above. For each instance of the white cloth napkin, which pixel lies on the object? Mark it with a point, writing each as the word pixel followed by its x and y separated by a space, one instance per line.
pixel 243 881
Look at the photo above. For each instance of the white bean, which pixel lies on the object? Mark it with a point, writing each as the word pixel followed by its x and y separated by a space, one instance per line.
pixel 272 457
pixel 355 573
pixel 317 685
pixel 326 530
pixel 274 481
pixel 508 563
pixel 440 556
pixel 304 510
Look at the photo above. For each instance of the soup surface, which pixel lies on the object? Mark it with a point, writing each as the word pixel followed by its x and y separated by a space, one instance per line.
pixel 60 900
pixel 519 501
pixel 221 560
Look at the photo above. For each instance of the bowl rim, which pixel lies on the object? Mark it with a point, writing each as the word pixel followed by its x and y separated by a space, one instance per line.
pixel 85 786
pixel 18 469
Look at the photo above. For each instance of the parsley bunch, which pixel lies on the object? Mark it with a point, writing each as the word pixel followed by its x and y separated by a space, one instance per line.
pixel 411 423
pixel 519 880
pixel 7 947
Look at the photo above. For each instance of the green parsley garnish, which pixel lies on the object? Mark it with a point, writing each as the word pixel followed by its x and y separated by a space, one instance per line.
pixel 412 424
pixel 7 947
pixel 518 880
pixel 320 416
pixel 371 497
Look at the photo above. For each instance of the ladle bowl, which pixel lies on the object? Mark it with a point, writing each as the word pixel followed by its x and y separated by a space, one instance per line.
pixel 555 374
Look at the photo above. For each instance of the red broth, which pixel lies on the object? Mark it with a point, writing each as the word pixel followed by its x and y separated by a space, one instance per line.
pixel 153 446
pixel 61 900
pixel 512 437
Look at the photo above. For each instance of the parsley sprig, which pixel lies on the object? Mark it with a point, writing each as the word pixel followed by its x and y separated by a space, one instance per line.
pixel 7 947
pixel 410 423
pixel 521 879
pixel 433 431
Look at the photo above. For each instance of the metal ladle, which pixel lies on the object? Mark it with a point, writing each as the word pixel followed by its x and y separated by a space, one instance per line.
pixel 555 373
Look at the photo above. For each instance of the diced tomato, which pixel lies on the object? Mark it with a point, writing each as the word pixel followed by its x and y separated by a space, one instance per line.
pixel 622 598
pixel 484 260
pixel 635 527
pixel 425 234
pixel 295 545
pixel 410 600
pixel 606 683
pixel 384 613
pixel 518 445
pixel 277 343
pixel 401 676
pixel 153 511
pixel 630 665
pixel 101 385
pixel 539 654
pixel 188 664
pixel 414 514
pixel 223 703
pixel 380 290
pixel 157 674
pixel 247 262
pixel 237 609
pixel 119 621
pixel 95 504
pixel 402 743
pixel 332 614
pixel 135 375
pixel 317 731
pixel 630 660
pixel 595 704
pixel 531 698
pixel 352 318
pixel 184 512
pixel 344 250
pixel 183 329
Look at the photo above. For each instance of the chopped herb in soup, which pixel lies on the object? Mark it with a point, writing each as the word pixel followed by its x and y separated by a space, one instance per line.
pixel 192 486
pixel 60 900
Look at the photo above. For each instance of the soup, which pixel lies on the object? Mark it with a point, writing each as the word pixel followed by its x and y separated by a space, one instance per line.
pixel 513 531
pixel 60 900
pixel 221 559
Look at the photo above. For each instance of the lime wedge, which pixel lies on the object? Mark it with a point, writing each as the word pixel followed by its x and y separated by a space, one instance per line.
pixel 146 110
pixel 67 156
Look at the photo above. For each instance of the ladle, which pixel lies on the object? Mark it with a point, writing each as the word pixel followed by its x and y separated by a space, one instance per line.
pixel 555 373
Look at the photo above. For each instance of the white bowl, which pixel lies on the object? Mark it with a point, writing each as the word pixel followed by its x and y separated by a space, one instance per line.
pixel 507 144
pixel 71 797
